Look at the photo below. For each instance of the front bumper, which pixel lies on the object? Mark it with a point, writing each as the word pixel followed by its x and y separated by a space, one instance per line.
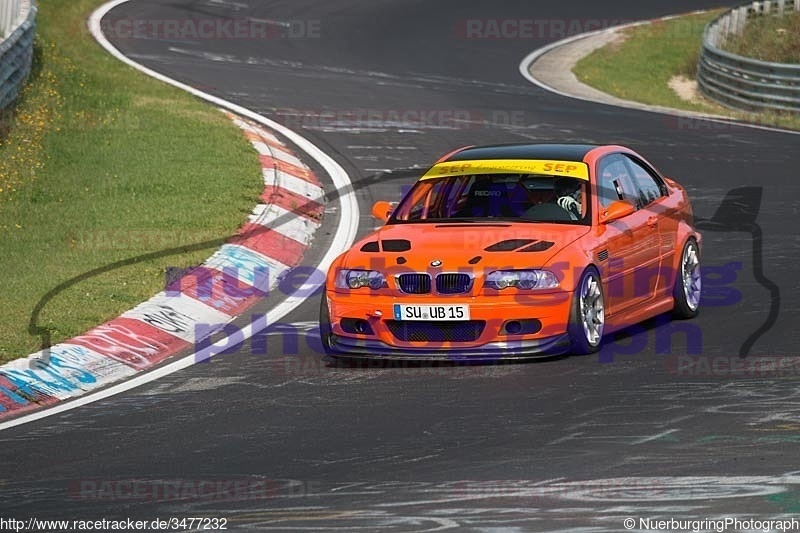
pixel 493 343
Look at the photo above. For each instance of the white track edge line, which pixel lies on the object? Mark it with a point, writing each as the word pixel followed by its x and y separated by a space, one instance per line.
pixel 341 241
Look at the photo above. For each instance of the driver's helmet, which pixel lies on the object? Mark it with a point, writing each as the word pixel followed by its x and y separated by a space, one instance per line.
pixel 567 187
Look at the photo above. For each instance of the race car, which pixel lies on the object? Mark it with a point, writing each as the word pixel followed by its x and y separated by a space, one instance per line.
pixel 515 251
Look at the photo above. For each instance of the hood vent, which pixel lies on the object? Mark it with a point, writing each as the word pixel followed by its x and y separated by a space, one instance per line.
pixel 508 245
pixel 396 245
pixel 520 245
pixel 540 246
pixel 390 245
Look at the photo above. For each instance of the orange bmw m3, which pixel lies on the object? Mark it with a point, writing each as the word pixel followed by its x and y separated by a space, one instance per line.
pixel 515 251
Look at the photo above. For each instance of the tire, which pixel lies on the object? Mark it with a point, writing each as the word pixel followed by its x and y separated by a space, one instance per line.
pixel 688 282
pixel 325 326
pixel 587 314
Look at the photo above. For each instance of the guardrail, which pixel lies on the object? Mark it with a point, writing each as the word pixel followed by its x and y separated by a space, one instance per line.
pixel 742 82
pixel 17 27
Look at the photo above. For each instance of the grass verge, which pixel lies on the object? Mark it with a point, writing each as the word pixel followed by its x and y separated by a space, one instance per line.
pixel 99 163
pixel 769 38
pixel 642 62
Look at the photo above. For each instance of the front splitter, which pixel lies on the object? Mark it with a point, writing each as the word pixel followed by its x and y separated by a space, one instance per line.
pixel 349 348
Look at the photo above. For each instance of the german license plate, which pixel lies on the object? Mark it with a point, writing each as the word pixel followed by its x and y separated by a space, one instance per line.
pixel 431 312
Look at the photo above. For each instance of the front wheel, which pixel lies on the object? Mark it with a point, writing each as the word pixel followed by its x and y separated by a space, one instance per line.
pixel 587 315
pixel 688 282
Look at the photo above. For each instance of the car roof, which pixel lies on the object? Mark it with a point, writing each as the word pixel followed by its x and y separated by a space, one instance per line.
pixel 558 152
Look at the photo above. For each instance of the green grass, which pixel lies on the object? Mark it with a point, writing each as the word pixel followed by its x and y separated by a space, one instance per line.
pixel 769 38
pixel 640 65
pixel 99 163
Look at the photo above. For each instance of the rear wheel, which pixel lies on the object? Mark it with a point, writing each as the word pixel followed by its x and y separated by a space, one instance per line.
pixel 587 316
pixel 688 282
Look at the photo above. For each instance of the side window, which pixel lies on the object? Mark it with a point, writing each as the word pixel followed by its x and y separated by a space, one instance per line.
pixel 615 182
pixel 648 188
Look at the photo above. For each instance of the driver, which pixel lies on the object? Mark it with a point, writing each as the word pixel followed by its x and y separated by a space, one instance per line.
pixel 568 196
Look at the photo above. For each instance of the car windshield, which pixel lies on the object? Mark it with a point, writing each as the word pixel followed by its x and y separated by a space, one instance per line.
pixel 496 197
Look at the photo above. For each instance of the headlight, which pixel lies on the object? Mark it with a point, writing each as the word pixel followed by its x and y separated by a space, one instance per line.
pixel 525 280
pixel 356 279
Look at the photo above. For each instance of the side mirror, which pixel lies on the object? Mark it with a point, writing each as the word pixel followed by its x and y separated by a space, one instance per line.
pixel 382 210
pixel 616 210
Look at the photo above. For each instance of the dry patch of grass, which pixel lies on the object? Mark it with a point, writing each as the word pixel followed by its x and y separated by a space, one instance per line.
pixel 685 88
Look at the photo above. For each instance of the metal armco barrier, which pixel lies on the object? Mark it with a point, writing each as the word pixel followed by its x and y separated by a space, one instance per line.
pixel 17 27
pixel 742 82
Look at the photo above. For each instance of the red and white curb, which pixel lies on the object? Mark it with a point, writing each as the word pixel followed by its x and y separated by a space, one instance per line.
pixel 202 301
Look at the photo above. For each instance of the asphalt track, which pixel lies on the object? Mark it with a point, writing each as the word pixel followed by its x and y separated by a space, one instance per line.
pixel 581 442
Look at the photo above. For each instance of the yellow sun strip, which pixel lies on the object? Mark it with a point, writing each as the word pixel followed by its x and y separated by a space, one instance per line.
pixel 573 169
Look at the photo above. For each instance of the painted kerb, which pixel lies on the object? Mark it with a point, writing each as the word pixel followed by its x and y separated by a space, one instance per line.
pixel 17 28
pixel 741 82
pixel 272 242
